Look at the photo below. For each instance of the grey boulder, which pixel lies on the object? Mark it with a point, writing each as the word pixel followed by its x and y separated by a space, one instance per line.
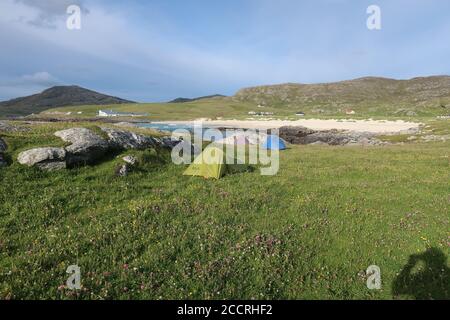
pixel 122 139
pixel 44 158
pixel 86 146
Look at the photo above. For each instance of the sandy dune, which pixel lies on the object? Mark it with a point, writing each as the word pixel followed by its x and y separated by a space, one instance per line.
pixel 372 126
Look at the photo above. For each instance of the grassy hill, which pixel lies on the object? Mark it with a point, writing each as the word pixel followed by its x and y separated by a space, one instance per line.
pixel 209 108
pixel 368 97
pixel 56 97
pixel 421 95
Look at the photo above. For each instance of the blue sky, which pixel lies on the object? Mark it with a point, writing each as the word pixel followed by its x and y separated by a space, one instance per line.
pixel 159 50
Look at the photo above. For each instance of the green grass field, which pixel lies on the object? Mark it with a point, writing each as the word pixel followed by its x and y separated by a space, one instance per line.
pixel 228 108
pixel 211 108
pixel 309 232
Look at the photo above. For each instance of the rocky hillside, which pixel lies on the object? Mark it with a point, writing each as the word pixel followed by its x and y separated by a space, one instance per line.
pixel 56 97
pixel 359 94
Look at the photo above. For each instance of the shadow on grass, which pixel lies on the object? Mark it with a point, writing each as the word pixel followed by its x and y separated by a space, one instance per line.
pixel 76 161
pixel 425 276
pixel 7 158
pixel 239 168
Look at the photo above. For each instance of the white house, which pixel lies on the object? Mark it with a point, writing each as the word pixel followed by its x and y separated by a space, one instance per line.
pixel 111 113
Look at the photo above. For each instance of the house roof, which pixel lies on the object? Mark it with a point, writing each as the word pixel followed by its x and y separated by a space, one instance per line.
pixel 111 112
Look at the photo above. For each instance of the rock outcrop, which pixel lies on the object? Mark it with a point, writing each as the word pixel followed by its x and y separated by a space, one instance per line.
pixel 44 158
pixel 6 127
pixel 122 139
pixel 295 135
pixel 86 146
pixel 167 143
pixel 302 135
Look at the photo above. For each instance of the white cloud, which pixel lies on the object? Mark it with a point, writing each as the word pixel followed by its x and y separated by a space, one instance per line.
pixel 47 12
pixel 40 78
pixel 281 42
pixel 110 35
pixel 51 7
pixel 27 84
pixel 43 79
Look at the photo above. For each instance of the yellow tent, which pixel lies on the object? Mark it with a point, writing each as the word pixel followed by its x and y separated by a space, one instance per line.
pixel 209 164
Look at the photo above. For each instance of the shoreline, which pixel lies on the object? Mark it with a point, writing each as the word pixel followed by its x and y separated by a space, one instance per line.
pixel 371 126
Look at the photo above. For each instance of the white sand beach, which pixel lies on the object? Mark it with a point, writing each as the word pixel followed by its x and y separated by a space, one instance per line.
pixel 372 126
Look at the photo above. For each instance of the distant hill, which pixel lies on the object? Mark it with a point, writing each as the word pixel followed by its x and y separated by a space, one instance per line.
pixel 183 100
pixel 361 94
pixel 59 96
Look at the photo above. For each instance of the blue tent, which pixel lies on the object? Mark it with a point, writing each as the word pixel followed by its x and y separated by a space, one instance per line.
pixel 274 143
